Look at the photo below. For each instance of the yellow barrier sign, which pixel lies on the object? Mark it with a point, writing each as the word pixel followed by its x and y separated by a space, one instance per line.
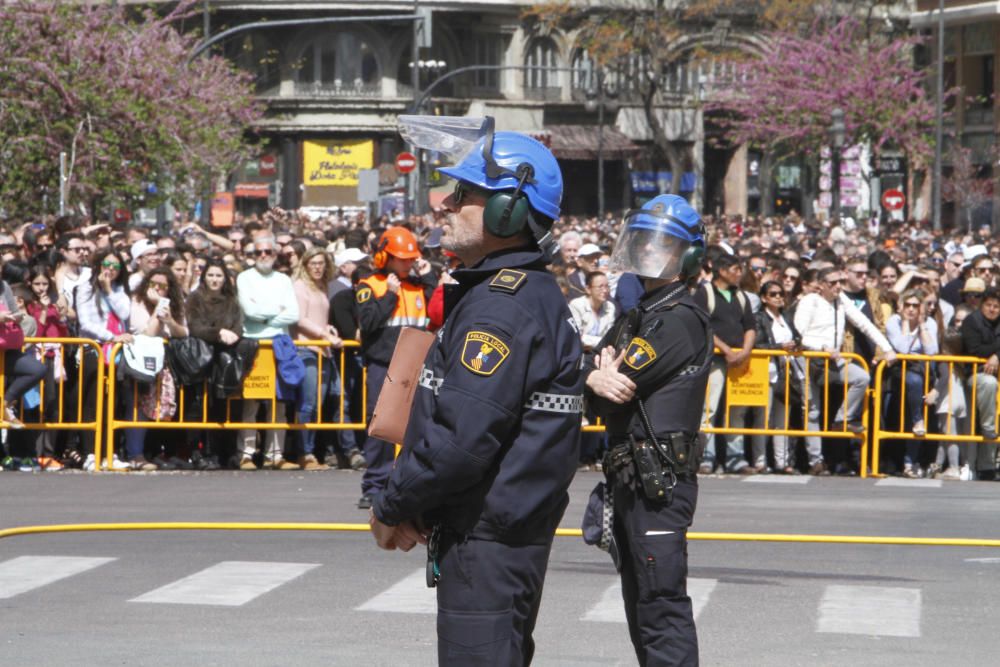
pixel 336 162
pixel 259 383
pixel 748 384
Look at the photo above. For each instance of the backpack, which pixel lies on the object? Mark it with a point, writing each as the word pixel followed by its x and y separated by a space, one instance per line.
pixel 142 361
pixel 232 364
pixel 710 298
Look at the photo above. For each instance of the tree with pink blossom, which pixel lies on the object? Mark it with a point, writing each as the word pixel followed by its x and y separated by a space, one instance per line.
pixel 114 89
pixel 782 100
pixel 964 185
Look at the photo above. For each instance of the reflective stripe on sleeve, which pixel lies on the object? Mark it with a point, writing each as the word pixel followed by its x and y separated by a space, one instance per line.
pixel 429 381
pixel 555 403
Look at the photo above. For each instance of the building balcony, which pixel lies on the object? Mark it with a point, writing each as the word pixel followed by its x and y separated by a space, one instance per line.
pixel 320 90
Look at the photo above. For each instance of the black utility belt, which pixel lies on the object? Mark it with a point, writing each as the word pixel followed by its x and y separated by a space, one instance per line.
pixel 653 468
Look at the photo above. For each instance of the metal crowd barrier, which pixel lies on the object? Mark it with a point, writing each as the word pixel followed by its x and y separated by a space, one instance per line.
pixel 969 389
pixel 69 411
pixel 811 362
pixel 202 421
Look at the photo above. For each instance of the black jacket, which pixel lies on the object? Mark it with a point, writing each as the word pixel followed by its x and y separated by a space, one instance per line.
pixel 765 341
pixel 980 337
pixel 765 335
pixel 494 433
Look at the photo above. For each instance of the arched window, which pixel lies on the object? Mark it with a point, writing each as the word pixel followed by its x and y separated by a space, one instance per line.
pixel 542 56
pixel 432 64
pixel 339 61
pixel 584 76
pixel 255 54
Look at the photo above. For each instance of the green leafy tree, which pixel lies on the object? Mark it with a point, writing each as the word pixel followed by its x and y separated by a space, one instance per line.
pixel 633 44
pixel 114 89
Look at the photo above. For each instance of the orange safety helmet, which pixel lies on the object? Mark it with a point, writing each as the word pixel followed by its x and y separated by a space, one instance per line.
pixel 398 242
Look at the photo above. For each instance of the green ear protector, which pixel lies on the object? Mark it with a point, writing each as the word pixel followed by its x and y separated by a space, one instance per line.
pixel 506 213
pixel 691 262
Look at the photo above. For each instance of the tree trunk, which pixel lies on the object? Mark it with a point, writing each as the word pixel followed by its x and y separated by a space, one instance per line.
pixel 663 149
pixel 766 176
pixel 810 168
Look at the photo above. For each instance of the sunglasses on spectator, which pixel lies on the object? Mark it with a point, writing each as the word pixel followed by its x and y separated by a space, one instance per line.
pixel 791 276
pixel 265 252
pixel 834 282
pixel 776 294
pixel 111 265
pixel 160 287
pixel 758 269
pixel 43 246
pixel 911 304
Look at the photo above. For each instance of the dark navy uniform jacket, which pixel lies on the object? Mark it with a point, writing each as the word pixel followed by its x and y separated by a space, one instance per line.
pixel 668 345
pixel 493 438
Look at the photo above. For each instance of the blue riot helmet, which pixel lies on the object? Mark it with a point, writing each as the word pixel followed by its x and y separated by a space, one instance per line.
pixel 663 239
pixel 520 171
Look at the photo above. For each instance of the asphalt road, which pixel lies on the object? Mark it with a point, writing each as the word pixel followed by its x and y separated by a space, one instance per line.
pixel 314 598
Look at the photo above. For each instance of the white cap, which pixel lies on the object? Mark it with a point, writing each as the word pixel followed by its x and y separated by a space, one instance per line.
pixel 588 249
pixel 349 255
pixel 140 248
pixel 974 251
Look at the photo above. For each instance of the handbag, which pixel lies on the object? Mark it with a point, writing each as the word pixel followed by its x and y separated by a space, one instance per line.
pixel 190 359
pixel 11 336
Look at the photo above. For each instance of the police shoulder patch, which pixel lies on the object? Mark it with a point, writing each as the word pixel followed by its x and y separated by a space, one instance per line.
pixel 508 280
pixel 639 354
pixel 483 353
pixel 364 294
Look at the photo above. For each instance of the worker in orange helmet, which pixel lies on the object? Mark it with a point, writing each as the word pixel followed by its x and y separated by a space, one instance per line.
pixel 393 297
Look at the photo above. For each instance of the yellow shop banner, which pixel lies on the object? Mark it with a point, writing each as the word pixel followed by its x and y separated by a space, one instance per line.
pixel 336 161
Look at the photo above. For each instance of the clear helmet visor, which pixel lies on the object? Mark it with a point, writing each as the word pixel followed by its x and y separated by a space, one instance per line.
pixel 647 252
pixel 454 136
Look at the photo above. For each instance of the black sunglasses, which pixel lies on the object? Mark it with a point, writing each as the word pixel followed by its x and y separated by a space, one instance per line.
pixel 773 294
pixel 462 189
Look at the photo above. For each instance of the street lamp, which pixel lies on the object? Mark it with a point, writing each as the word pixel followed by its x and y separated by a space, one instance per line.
pixel 838 134
pixel 601 97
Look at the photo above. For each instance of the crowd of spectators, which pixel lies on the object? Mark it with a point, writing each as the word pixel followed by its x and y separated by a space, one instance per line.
pixel 876 290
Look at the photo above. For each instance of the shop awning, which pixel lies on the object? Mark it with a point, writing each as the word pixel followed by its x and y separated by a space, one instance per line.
pixel 580 142
pixel 251 190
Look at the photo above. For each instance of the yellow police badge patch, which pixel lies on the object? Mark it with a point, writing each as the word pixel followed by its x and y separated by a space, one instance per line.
pixel 364 294
pixel 639 354
pixel 483 353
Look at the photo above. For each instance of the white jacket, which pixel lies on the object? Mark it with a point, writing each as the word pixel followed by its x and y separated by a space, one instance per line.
pixel 822 326
pixel 592 326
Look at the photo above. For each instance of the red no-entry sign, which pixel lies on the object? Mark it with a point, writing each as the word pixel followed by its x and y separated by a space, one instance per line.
pixel 406 162
pixel 893 200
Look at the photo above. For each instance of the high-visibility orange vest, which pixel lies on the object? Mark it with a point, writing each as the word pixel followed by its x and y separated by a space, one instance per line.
pixel 411 306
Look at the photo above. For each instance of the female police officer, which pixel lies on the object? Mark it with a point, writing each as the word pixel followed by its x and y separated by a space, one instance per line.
pixel 493 437
pixel 649 382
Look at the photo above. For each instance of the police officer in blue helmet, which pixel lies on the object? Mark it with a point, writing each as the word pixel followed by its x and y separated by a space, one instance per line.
pixel 493 436
pixel 648 383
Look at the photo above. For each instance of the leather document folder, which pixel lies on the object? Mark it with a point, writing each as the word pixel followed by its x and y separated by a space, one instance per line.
pixel 392 411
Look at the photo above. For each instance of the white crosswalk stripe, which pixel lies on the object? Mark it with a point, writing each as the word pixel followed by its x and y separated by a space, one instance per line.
pixel 408 596
pixel 870 610
pixel 918 483
pixel 24 573
pixel 778 479
pixel 230 583
pixel 610 609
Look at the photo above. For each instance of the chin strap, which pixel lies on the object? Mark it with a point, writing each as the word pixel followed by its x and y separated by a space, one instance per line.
pixel 543 237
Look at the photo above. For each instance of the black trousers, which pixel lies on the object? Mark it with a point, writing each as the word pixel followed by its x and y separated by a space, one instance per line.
pixel 652 547
pixel 488 599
